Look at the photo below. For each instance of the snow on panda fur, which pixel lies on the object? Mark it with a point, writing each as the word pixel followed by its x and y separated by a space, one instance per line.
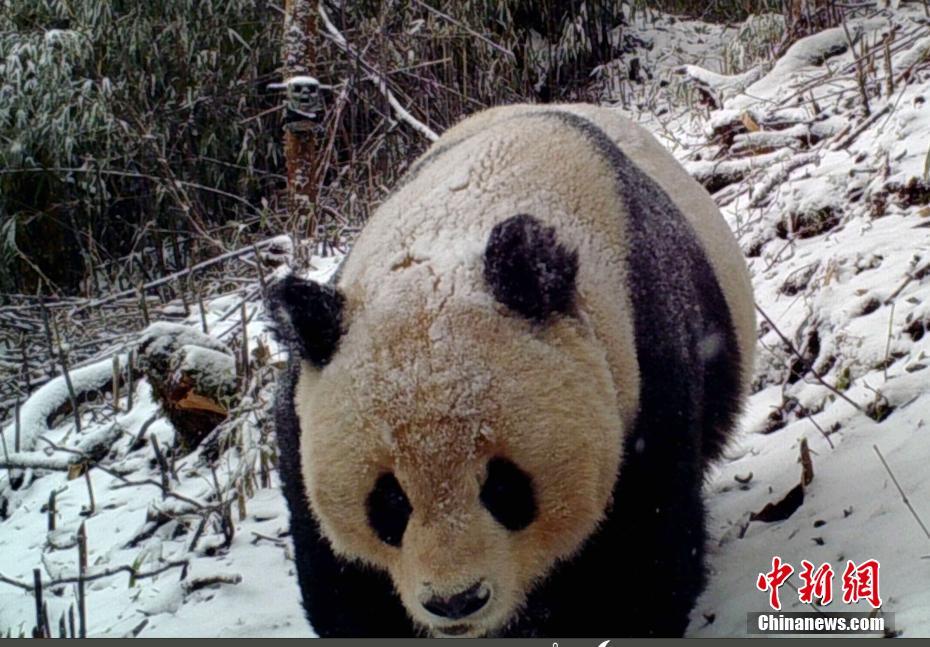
pixel 496 420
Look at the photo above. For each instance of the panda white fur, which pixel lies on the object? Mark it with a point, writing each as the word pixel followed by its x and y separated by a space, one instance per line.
pixel 497 418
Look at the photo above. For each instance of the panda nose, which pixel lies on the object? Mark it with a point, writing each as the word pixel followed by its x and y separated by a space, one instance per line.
pixel 460 605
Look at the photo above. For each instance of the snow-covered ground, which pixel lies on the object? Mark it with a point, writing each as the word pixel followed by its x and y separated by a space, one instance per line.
pixel 831 206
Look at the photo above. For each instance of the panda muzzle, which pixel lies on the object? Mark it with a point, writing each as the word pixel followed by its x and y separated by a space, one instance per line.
pixel 459 605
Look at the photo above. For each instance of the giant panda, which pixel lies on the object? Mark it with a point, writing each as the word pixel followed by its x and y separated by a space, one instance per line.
pixel 497 418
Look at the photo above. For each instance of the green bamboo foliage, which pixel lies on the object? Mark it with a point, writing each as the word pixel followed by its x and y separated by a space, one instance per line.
pixel 116 100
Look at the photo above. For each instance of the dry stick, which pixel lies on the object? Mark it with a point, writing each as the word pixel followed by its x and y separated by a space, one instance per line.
pixel 82 570
pixel 889 74
pixel 901 491
pixel 860 71
pixel 911 276
pixel 71 621
pixel 26 376
pixel 45 625
pixel 62 627
pixel 48 334
pixel 861 128
pixel 6 455
pixel 245 345
pixel 797 353
pixel 143 305
pixel 130 379
pixel 888 342
pixel 807 465
pixel 90 493
pixel 16 427
pixel 261 271
pixel 162 466
pixel 185 302
pixel 37 592
pixel 176 275
pixel 51 510
pixel 133 572
pixel 203 313
pixel 376 76
pixel 823 433
pixel 116 374
pixel 174 495
pixel 63 358
pixel 461 25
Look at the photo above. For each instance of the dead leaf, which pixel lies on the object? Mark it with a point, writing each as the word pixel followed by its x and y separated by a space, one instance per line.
pixel 198 402
pixel 749 122
pixel 76 470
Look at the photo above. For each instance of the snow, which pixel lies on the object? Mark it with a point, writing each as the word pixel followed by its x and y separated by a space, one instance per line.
pixel 838 247
pixel 134 525
pixel 36 411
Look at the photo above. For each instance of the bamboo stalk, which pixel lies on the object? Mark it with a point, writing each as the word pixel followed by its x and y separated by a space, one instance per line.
pixel 82 571
pixel 143 306
pixel 39 630
pixel 90 493
pixel 116 380
pixel 203 313
pixel 63 359
pixel 51 510
pixel 17 425
pixel 130 379
pixel 245 346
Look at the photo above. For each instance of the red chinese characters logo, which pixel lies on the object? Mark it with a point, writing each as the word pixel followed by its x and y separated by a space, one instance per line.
pixel 859 583
pixel 817 584
pixel 773 580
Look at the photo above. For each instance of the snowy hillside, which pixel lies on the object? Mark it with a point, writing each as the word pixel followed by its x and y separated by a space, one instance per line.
pixel 825 180
pixel 820 163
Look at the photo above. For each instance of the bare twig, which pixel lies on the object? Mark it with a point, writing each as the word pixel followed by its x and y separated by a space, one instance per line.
pixel 377 77
pixel 250 249
pixel 39 630
pixel 901 491
pixel 131 570
pixel 861 128
pixel 822 431
pixel 798 354
pixel 471 31
pixel 82 571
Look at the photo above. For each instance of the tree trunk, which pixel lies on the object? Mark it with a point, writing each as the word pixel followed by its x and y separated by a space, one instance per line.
pixel 299 150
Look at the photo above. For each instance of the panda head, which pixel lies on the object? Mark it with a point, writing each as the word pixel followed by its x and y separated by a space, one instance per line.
pixel 459 430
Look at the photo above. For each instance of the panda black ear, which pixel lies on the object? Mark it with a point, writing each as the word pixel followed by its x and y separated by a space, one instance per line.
pixel 529 270
pixel 308 317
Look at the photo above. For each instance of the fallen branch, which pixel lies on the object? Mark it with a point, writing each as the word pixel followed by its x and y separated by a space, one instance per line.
pixel 133 572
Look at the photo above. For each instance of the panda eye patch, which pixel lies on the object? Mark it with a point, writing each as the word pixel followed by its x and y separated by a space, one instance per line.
pixel 508 494
pixel 388 509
